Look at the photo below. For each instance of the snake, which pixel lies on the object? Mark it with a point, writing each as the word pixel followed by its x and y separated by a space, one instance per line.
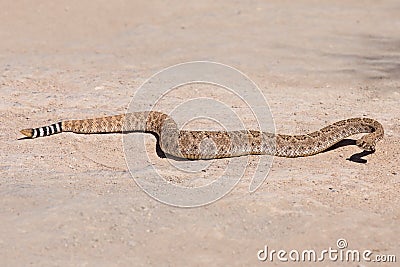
pixel 219 144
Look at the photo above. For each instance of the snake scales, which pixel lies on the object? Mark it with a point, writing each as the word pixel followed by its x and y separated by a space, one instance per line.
pixel 219 144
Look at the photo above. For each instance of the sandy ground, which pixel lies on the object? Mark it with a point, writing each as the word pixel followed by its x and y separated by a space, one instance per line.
pixel 69 200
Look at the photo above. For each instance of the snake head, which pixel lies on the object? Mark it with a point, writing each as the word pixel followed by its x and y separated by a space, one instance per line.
pixel 365 144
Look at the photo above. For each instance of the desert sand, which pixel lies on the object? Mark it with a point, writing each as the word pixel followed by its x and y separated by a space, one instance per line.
pixel 69 200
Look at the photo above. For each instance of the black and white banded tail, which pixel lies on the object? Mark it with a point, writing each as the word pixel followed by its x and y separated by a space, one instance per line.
pixel 43 131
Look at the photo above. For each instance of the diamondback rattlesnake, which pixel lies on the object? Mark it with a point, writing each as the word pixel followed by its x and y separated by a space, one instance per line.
pixel 219 144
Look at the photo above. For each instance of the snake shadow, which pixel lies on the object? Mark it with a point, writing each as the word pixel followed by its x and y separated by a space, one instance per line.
pixel 358 157
pixel 24 138
pixel 160 153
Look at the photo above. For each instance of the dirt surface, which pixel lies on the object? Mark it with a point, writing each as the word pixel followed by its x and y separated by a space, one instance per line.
pixel 69 200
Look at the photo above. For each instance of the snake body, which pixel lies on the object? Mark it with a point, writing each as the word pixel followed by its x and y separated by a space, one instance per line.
pixel 220 144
